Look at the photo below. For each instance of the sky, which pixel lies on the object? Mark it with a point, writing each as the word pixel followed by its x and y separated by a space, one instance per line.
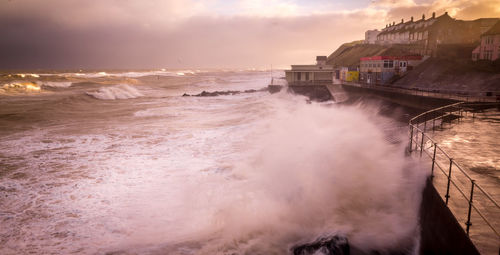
pixel 94 34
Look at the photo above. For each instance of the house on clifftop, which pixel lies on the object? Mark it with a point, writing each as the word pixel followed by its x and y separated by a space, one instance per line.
pixel 489 47
pixel 423 36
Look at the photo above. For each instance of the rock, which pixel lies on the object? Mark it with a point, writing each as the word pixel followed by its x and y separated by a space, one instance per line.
pixel 222 93
pixel 331 245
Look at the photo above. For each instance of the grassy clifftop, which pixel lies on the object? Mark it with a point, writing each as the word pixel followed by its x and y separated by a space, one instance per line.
pixel 450 69
pixel 348 54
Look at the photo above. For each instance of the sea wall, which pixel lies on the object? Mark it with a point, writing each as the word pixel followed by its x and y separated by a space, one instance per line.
pixel 440 231
pixel 314 92
pixel 409 100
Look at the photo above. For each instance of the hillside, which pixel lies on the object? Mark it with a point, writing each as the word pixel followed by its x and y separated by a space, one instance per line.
pixel 445 75
pixel 348 54
pixel 451 69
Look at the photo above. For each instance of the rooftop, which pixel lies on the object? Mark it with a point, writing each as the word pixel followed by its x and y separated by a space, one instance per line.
pixel 408 57
pixel 494 30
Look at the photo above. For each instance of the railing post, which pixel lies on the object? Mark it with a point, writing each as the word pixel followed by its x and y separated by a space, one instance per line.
pixel 433 161
pixel 422 144
pixel 449 179
pixel 468 223
pixel 416 140
pixel 433 124
pixel 411 137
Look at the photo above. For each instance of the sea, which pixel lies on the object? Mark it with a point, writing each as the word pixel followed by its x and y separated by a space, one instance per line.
pixel 120 162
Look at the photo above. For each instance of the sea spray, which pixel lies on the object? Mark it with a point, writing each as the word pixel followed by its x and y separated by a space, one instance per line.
pixel 313 170
pixel 121 91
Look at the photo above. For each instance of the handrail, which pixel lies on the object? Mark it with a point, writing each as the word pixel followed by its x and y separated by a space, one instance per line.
pixel 417 138
pixel 476 96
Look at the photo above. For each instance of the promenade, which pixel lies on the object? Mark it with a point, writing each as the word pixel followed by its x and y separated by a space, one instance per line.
pixel 456 95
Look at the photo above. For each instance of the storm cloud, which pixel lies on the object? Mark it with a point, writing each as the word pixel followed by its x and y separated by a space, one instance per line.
pixel 177 34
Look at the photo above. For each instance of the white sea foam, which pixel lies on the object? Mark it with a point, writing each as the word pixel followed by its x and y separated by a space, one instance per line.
pixel 53 84
pixel 121 91
pixel 315 171
pixel 305 171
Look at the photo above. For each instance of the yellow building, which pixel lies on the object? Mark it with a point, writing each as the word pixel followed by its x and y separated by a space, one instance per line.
pixel 349 74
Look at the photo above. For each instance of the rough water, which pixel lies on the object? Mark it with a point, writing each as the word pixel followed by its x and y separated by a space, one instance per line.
pixel 120 162
pixel 473 143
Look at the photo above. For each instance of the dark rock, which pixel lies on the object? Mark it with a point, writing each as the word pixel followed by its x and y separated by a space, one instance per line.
pixel 223 93
pixel 331 245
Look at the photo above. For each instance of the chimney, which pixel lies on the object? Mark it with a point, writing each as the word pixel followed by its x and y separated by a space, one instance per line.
pixel 411 18
pixel 402 21
pixel 423 16
pixel 393 23
pixel 433 15
pixel 446 13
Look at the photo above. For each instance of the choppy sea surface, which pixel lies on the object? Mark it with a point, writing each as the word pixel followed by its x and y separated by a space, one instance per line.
pixel 121 162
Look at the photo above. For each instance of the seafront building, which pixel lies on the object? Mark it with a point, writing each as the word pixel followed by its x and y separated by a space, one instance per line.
pixel 349 74
pixel 381 69
pixel 489 47
pixel 318 74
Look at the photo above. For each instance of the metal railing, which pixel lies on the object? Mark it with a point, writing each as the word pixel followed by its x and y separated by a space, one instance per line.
pixel 466 96
pixel 420 142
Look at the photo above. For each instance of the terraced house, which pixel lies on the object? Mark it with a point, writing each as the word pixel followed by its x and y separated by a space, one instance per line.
pixel 424 36
pixel 489 47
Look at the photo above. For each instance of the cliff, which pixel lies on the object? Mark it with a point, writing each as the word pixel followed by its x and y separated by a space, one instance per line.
pixel 348 54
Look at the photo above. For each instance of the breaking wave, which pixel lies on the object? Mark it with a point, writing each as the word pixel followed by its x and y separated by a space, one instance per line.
pixel 19 87
pixel 121 91
pixel 53 84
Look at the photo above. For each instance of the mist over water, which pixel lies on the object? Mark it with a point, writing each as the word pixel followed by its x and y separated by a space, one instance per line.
pixel 104 165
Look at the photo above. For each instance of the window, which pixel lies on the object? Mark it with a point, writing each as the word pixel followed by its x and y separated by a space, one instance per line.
pixel 299 76
pixel 388 64
pixel 307 76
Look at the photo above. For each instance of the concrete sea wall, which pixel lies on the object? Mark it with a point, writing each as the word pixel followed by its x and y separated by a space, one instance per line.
pixel 440 231
pixel 409 100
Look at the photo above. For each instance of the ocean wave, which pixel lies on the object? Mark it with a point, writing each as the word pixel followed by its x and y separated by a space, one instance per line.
pixel 121 91
pixel 130 74
pixel 54 84
pixel 25 75
pixel 20 87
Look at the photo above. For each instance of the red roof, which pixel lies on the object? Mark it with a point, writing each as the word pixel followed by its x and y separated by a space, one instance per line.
pixel 411 57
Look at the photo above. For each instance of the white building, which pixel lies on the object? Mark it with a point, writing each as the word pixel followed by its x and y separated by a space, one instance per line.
pixel 371 36
pixel 319 74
